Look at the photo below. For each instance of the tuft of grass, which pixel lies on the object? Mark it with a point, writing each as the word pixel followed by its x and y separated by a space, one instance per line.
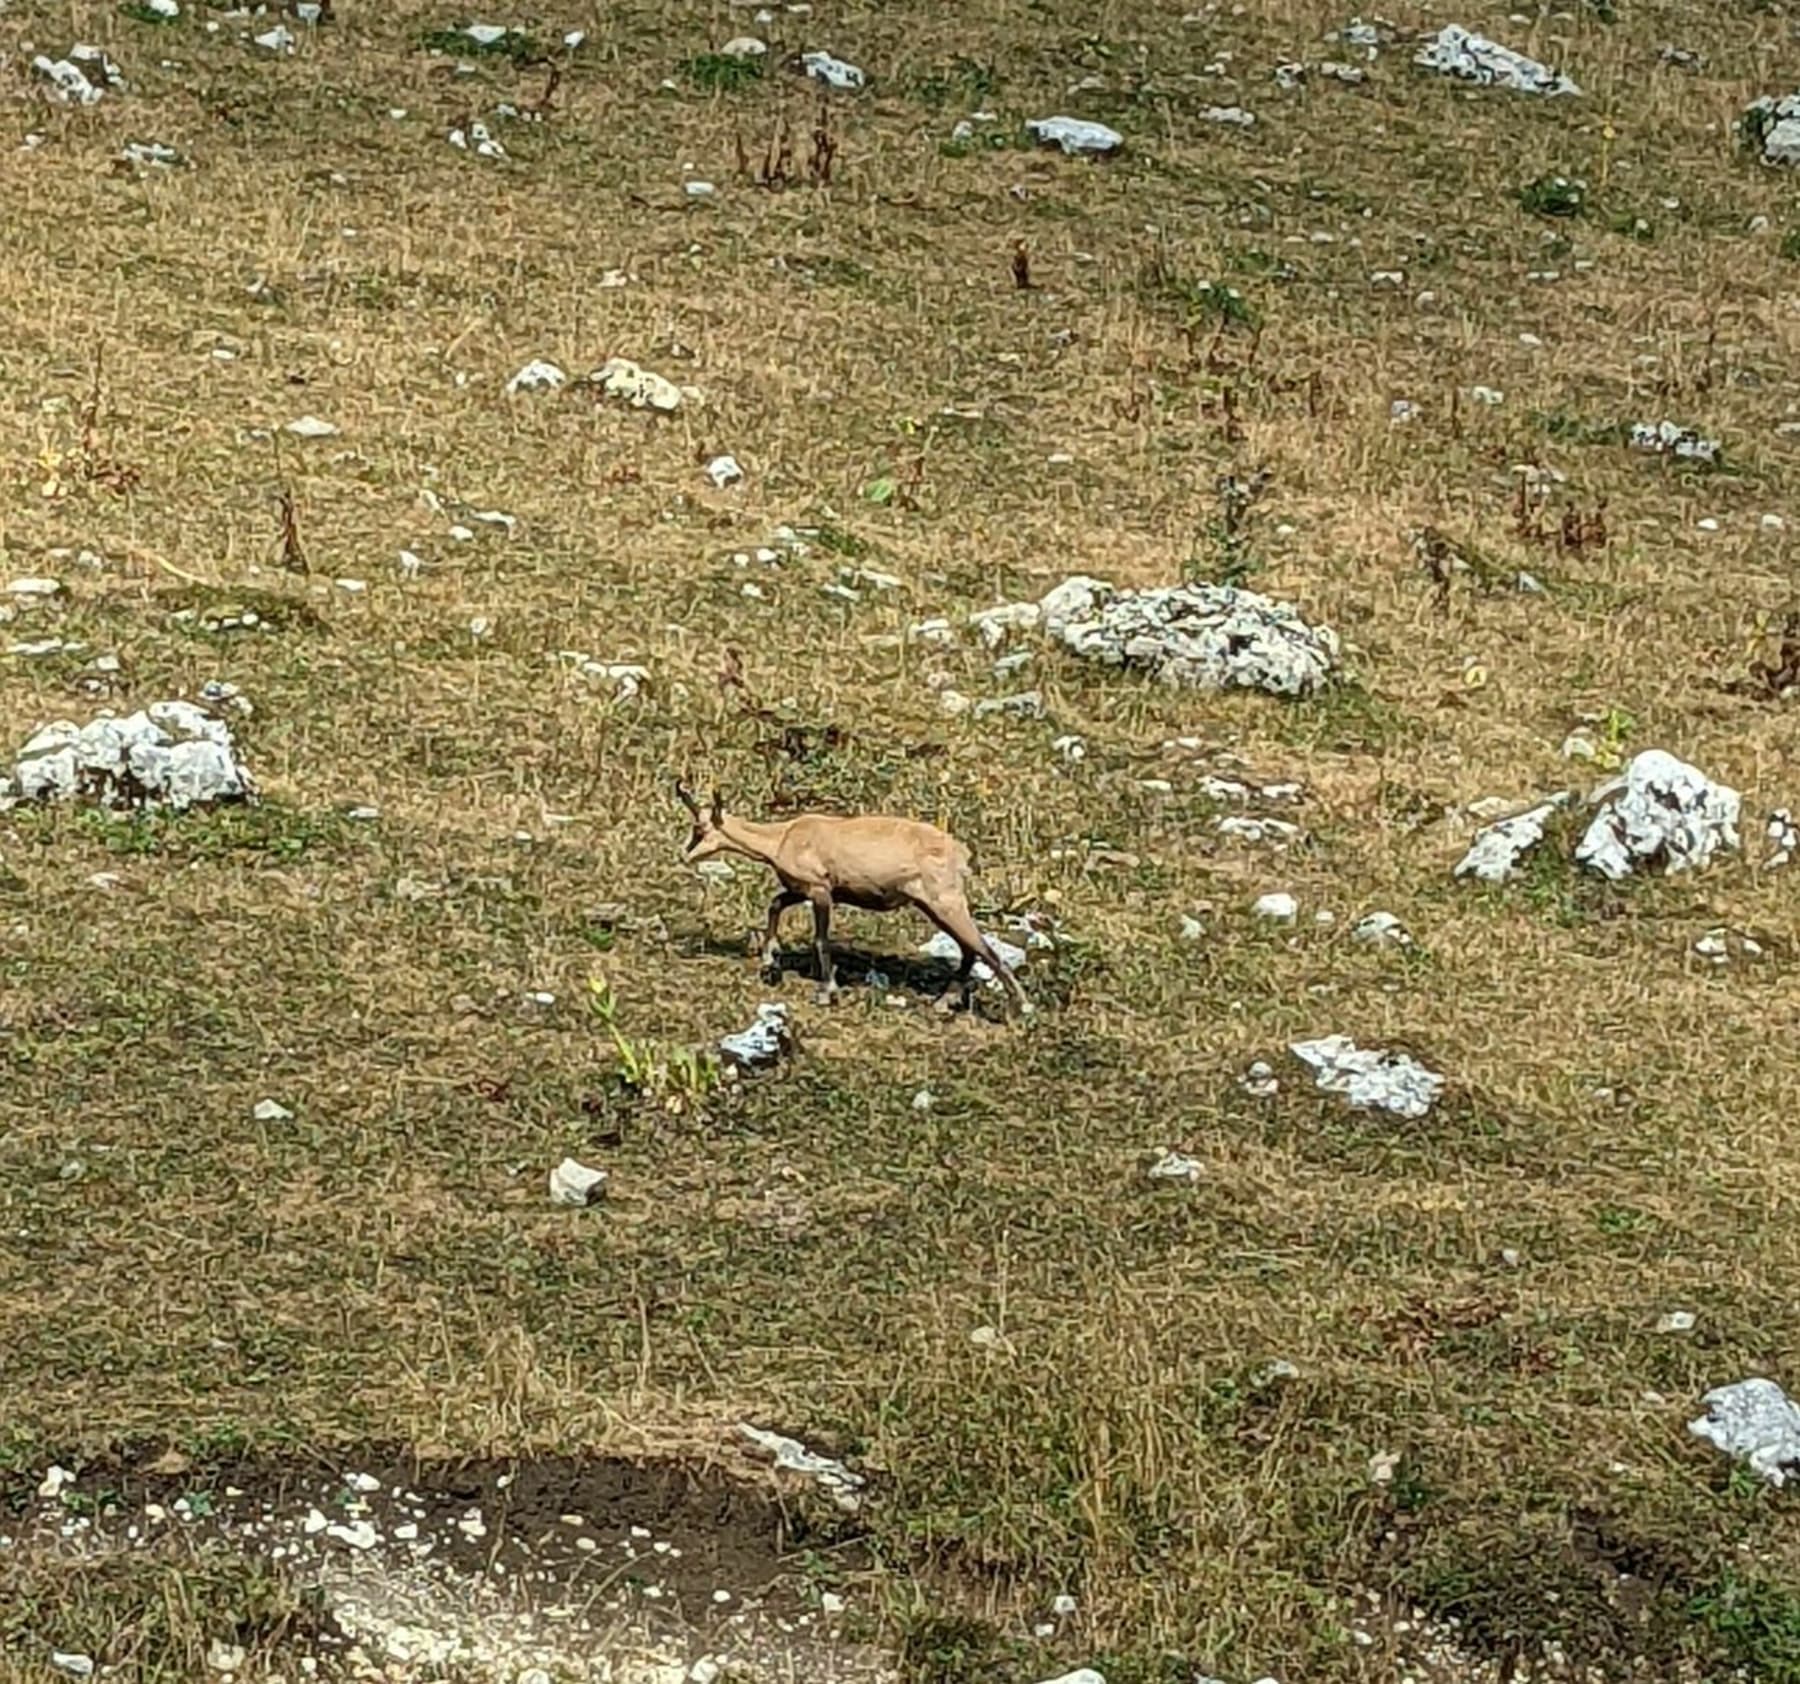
pixel 157 1612
pixel 1754 1623
pixel 1553 196
pixel 722 73
pixel 515 46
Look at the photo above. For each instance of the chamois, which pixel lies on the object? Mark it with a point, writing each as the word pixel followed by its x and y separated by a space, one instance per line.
pixel 876 864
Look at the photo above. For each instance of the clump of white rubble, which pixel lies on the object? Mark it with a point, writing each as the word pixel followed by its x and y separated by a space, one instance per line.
pixel 478 138
pixel 1369 1079
pixel 85 77
pixel 1213 637
pixel 1756 1422
pixel 149 154
pixel 833 72
pixel 1455 51
pixel 838 1482
pixel 768 1039
pixel 1773 127
pixel 1665 438
pixel 1660 811
pixel 1077 137
pixel 171 754
pixel 1497 849
pixel 618 377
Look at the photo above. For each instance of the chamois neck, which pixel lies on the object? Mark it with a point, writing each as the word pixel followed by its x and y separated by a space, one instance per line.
pixel 755 841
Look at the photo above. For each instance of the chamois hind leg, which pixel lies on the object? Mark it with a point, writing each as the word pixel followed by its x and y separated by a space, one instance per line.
pixel 821 905
pixel 771 947
pixel 951 914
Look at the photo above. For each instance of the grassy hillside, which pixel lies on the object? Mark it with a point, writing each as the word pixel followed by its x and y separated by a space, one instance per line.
pixel 1474 1293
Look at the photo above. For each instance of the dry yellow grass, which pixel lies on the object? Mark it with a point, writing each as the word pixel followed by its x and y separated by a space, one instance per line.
pixel 813 1248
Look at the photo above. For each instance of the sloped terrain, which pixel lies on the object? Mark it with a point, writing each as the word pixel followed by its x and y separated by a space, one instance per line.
pixel 1488 392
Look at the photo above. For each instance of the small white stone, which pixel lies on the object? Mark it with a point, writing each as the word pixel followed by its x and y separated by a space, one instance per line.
pixel 834 72
pixel 1278 907
pixel 1076 136
pixel 724 471
pixel 224 1657
pixel 1168 1165
pixel 536 376
pixel 311 427
pixel 271 1111
pixel 1676 1321
pixel 1259 1081
pixel 573 1183
pixel 1380 929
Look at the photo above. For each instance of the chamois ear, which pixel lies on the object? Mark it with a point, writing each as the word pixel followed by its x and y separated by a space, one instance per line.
pixel 686 797
pixel 718 805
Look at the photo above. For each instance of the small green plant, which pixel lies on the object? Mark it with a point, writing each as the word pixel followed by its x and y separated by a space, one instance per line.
pixel 679 1079
pixel 964 81
pixel 966 139
pixel 1225 553
pixel 1790 245
pixel 1615 727
pixel 1757 1625
pixel 1554 195
pixel 1754 126
pixel 1202 304
pixel 722 73
pixel 835 540
pixel 473 40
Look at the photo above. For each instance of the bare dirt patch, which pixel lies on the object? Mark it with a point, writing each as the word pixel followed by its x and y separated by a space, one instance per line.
pixel 479 1565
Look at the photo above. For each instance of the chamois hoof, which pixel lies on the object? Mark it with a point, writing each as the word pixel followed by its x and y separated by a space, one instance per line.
pixel 825 994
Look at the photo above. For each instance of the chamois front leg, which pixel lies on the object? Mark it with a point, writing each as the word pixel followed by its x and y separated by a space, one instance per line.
pixel 771 947
pixel 821 905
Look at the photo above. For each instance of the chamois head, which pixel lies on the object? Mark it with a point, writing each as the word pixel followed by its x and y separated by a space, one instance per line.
pixel 706 839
